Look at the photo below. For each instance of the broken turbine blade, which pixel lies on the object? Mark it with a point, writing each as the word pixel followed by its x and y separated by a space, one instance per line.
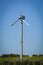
pixel 25 22
pixel 14 22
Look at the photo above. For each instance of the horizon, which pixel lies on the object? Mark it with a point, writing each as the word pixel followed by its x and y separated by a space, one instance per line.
pixel 24 54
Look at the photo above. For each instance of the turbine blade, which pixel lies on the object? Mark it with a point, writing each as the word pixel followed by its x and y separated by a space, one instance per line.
pixel 14 22
pixel 25 22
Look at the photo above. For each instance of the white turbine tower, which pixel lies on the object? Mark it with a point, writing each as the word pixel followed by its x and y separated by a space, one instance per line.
pixel 22 19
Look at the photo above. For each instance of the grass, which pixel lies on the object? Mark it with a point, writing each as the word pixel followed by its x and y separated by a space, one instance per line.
pixel 24 58
pixel 8 58
pixel 27 60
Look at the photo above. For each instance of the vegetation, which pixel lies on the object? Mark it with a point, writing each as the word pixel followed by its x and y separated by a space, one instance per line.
pixel 13 59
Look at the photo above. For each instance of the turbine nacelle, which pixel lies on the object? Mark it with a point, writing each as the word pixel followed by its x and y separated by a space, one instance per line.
pixel 22 18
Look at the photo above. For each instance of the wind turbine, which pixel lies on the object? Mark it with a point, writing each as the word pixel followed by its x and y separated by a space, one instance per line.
pixel 22 19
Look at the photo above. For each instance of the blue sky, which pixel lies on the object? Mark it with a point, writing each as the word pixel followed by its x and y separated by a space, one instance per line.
pixel 32 34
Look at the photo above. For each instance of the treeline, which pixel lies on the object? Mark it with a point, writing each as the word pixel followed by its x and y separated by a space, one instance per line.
pixel 11 55
pixel 17 55
pixel 37 55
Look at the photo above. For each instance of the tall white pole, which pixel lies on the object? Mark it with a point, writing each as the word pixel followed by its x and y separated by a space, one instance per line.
pixel 21 40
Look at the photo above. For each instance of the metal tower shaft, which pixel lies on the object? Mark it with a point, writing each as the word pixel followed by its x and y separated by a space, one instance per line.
pixel 21 40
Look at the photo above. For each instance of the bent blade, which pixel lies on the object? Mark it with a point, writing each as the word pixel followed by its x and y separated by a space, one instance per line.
pixel 14 22
pixel 25 22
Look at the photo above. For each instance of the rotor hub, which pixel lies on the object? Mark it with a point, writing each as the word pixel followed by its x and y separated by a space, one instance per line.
pixel 22 17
